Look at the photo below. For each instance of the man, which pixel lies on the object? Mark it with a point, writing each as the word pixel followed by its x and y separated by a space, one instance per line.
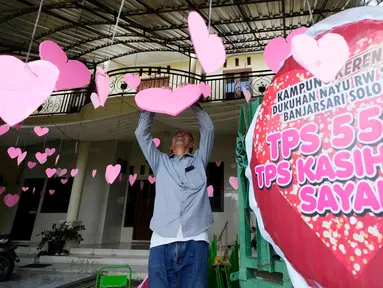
pixel 182 214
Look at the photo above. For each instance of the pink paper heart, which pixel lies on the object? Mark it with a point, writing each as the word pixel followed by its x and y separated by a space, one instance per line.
pixel 40 131
pixel 17 101
pixel 145 283
pixel 21 157
pixel 209 48
pixel 233 165
pixel 142 185
pixel 17 126
pixel 50 172
pixel 102 85
pixel 73 73
pixel 64 181
pixel 162 100
pixel 74 172
pixel 61 172
pixel 4 129
pixel 41 157
pixel 132 80
pixel 205 89
pixel 95 100
pixel 57 159
pixel 51 191
pixel 247 94
pixel 2 189
pixel 50 151
pixel 218 163
pixel 13 152
pixel 25 189
pixel 233 182
pixel 156 142
pixel 210 191
pixel 278 49
pixel 152 179
pixel 112 173
pixel 94 172
pixel 132 179
pixel 11 200
pixel 31 164
pixel 323 58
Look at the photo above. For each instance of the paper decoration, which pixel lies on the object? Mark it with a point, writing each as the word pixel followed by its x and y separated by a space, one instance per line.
pixel 102 85
pixel 74 172
pixel 94 172
pixel 278 49
pixel 50 151
pixel 233 182
pixel 24 87
pixel 218 163
pixel 61 172
pixel 13 152
pixel 21 157
pixel 112 173
pixel 132 179
pixel 156 142
pixel 142 185
pixel 64 181
pixel 132 80
pixel 11 200
pixel 210 191
pixel 95 100
pixel 41 157
pixel 51 191
pixel 17 127
pixel 41 131
pixel 233 165
pixel 152 179
pixel 208 47
pixel 50 172
pixel 73 73
pixel 4 129
pixel 2 189
pixel 25 189
pixel 247 94
pixel 205 89
pixel 57 159
pixel 145 283
pixel 323 58
pixel 31 164
pixel 165 101
pixel 310 175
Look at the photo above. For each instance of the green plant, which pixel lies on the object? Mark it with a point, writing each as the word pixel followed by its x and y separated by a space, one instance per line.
pixel 60 234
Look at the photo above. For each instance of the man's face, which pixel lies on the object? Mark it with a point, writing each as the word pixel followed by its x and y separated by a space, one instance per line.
pixel 182 140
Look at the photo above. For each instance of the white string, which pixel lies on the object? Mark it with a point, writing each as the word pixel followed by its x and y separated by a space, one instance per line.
pixel 209 21
pixel 115 27
pixel 34 30
pixel 311 14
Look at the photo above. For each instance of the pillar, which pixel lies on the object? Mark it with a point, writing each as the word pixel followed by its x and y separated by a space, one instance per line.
pixel 78 184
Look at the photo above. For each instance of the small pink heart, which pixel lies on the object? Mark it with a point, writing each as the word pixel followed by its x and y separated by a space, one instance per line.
pixel 38 80
pixel 247 94
pixel 120 178
pixel 94 172
pixel 205 89
pixel 132 179
pixel 233 182
pixel 112 173
pixel 57 159
pixel 50 172
pixel 25 189
pixel 278 49
pixel 74 172
pixel 218 163
pixel 132 80
pixel 208 47
pixel 4 129
pixel 2 189
pixel 102 85
pixel 165 101
pixel 210 191
pixel 11 200
pixel 61 172
pixel 142 185
pixel 64 181
pixel 233 165
pixel 41 131
pixel 50 151
pixel 152 179
pixel 51 191
pixel 323 58
pixel 95 100
pixel 13 152
pixel 156 142
pixel 41 157
pixel 31 164
pixel 21 157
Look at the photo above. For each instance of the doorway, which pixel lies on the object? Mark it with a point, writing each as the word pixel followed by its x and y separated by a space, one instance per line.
pixel 27 210
pixel 144 209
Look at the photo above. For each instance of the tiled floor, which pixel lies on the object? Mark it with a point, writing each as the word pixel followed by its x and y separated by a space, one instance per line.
pixel 28 279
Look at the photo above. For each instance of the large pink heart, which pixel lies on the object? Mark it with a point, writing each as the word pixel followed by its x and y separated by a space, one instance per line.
pixel 323 58
pixel 112 172
pixel 50 172
pixel 13 152
pixel 73 73
pixel 11 200
pixel 162 100
pixel 208 47
pixel 102 85
pixel 18 101
pixel 278 49
pixel 41 157
pixel 132 80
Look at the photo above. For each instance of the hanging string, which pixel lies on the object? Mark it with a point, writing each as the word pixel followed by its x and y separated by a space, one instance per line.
pixel 311 14
pixel 209 21
pixel 34 30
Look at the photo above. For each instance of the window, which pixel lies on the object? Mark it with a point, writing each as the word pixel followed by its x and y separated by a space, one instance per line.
pixel 235 81
pixel 142 170
pixel 57 195
pixel 236 61
pixel 131 170
pixel 215 177
pixel 131 204
pixel 248 60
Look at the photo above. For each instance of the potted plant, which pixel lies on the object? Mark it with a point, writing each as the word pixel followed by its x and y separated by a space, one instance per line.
pixel 58 236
